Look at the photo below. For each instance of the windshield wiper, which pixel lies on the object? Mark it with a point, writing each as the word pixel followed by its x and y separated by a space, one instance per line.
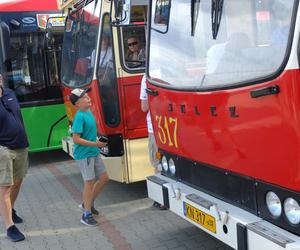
pixel 216 14
pixel 195 4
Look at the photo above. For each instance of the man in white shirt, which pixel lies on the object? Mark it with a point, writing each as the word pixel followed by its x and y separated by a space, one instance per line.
pixel 151 139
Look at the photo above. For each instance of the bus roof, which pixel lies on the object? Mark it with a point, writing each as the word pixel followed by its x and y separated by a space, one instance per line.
pixel 27 5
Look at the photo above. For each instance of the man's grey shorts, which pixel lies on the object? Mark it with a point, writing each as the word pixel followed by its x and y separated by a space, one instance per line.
pixel 91 167
pixel 13 165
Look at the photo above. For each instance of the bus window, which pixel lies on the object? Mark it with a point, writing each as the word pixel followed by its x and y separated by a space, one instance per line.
pixel 134 43
pixel 106 75
pixel 238 54
pixel 28 68
pixel 80 40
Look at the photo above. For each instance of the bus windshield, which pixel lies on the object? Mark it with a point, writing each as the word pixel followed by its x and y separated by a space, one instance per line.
pixel 251 42
pixel 33 67
pixel 80 40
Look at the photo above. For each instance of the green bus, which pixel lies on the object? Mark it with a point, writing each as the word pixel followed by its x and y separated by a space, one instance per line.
pixel 33 69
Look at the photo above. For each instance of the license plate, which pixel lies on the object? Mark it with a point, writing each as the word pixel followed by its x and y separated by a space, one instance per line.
pixel 205 220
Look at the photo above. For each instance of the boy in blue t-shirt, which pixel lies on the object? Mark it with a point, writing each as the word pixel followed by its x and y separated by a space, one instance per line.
pixel 87 154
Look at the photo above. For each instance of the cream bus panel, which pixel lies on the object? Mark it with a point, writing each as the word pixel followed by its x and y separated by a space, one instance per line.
pixel 115 167
pixel 131 167
pixel 139 166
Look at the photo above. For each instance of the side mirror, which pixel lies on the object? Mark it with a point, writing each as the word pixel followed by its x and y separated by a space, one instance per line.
pixel 162 16
pixel 122 11
pixel 4 42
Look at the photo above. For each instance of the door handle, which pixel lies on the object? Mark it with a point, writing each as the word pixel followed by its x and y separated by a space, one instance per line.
pixel 152 92
pixel 270 90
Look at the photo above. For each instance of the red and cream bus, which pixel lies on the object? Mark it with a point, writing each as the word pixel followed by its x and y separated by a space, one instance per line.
pixel 95 55
pixel 223 82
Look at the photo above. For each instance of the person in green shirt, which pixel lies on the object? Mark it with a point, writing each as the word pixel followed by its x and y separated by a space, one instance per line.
pixel 87 154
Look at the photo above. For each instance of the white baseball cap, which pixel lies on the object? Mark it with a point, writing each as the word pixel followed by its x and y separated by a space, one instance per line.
pixel 76 94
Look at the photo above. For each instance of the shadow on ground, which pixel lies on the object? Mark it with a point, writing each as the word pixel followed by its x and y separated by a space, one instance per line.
pixel 48 157
pixel 113 193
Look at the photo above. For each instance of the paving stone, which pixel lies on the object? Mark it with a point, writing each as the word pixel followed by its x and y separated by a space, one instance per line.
pixel 160 248
pixel 48 203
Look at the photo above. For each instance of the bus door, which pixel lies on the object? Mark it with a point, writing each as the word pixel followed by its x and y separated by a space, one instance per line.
pixel 129 43
pixel 95 55
pixel 78 57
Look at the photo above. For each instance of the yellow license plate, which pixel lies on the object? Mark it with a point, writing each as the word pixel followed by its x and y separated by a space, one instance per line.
pixel 205 220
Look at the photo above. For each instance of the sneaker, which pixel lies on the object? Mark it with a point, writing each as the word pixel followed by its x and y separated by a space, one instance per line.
pixel 94 210
pixel 89 220
pixel 162 207
pixel 16 219
pixel 14 234
pixel 155 204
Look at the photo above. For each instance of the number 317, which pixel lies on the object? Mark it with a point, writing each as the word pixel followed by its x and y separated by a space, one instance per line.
pixel 167 130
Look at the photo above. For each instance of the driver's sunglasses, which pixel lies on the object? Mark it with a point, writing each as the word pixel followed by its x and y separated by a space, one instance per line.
pixel 132 44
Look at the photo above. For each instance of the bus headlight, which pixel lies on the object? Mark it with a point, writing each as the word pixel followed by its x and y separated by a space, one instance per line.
pixel 292 210
pixel 274 204
pixel 164 163
pixel 172 166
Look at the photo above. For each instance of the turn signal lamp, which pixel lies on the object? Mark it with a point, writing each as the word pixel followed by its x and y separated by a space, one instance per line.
pixel 158 155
